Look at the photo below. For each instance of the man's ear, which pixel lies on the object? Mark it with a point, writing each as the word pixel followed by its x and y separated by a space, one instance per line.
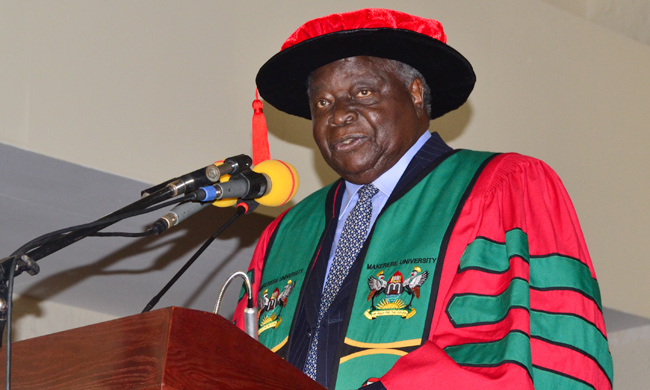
pixel 416 90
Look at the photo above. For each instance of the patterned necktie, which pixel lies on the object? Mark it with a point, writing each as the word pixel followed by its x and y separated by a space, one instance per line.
pixel 352 239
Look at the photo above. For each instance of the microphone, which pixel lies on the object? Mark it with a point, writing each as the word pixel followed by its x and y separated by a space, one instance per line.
pixel 271 183
pixel 250 313
pixel 203 176
pixel 245 185
pixel 284 179
pixel 175 216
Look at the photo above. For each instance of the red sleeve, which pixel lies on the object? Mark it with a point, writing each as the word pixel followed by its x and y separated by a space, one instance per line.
pixel 255 270
pixel 518 298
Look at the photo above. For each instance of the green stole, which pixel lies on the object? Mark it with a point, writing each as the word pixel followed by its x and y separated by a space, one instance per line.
pixel 391 308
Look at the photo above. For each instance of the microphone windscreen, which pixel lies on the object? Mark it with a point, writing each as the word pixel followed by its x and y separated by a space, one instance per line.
pixel 284 182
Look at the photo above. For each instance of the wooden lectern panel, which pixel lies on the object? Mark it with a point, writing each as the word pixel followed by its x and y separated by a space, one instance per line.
pixel 166 349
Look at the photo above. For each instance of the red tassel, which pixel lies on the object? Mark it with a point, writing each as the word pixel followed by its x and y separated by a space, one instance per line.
pixel 260 133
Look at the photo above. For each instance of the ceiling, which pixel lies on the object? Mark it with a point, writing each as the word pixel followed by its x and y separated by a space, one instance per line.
pixel 628 17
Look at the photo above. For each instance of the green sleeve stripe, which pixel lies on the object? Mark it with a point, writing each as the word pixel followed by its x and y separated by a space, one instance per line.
pixel 548 272
pixel 494 257
pixel 474 309
pixel 514 348
pixel 547 379
pixel 555 272
pixel 575 333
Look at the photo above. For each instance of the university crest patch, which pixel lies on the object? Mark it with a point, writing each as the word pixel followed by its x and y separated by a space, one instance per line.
pixel 270 308
pixel 389 297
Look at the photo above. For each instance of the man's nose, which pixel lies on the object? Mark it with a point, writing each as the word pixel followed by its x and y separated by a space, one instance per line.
pixel 344 113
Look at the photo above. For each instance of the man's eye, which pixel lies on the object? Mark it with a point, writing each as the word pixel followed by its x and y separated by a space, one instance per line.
pixel 322 103
pixel 364 93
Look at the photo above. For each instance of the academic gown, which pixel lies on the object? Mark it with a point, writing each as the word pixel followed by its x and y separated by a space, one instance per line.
pixel 516 304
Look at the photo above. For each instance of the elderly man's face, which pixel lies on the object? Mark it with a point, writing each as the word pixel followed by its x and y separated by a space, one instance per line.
pixel 364 117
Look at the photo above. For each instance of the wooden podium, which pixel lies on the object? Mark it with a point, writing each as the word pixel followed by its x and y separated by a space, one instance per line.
pixel 166 349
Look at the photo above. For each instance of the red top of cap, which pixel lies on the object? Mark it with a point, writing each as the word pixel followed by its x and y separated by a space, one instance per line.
pixel 368 18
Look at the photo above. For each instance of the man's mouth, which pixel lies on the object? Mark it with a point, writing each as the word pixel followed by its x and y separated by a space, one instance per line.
pixel 348 143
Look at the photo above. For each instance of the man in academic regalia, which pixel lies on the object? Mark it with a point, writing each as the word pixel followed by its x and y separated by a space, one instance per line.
pixel 423 267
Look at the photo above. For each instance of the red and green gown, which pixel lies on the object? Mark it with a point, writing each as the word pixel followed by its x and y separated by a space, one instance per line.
pixel 509 301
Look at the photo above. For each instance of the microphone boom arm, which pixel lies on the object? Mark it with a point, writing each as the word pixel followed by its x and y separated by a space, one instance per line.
pixel 72 237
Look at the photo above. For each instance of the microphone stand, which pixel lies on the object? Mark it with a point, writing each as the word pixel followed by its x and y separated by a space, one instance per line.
pixel 243 207
pixel 18 262
pixel 164 191
pixel 15 264
pixel 72 237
